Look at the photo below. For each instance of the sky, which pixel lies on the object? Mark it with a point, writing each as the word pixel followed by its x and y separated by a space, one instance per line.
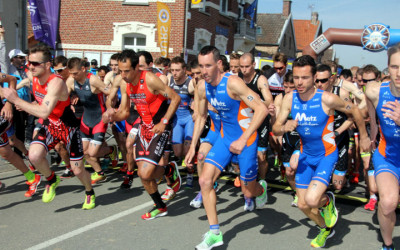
pixel 346 14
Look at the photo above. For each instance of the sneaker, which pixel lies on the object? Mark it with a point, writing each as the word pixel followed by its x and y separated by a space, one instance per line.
pixel 237 183
pixel 323 235
pixel 295 200
pixel 330 212
pixel 105 163
pixel 89 202
pixel 120 156
pixel 68 173
pixel 176 177
pixel 371 204
pixel 124 168
pixel 50 191
pixel 387 247
pixel 263 198
pixel 127 183
pixel 169 194
pixel 248 204
pixel 189 181
pixel 114 156
pixel 33 185
pixel 210 241
pixel 154 213
pixel 95 177
pixel 216 186
pixel 197 201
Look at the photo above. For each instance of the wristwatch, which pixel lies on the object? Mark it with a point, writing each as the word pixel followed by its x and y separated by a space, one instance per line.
pixel 336 133
pixel 164 121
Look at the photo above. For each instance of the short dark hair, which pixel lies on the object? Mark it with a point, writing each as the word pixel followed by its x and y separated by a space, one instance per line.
pixel 76 62
pixel 346 73
pixel 210 49
pixel 288 77
pixel 163 61
pixel 305 60
pixel 225 63
pixel 60 59
pixel 194 64
pixel 105 68
pixel 178 60
pixel 280 57
pixel 40 47
pixel 323 68
pixel 114 56
pixel 147 56
pixel 131 55
pixel 369 68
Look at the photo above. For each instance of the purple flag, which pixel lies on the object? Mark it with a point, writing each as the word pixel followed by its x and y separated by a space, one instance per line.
pixel 44 18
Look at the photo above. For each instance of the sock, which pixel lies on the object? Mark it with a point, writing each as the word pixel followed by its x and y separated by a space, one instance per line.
pixel 91 192
pixel 156 197
pixel 214 229
pixel 52 178
pixel 29 176
pixel 373 196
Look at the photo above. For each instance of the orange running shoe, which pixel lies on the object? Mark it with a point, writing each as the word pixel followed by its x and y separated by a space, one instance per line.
pixel 33 185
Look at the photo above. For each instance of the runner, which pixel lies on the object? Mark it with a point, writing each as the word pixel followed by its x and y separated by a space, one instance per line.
pixel 150 96
pixel 60 124
pixel 233 100
pixel 313 110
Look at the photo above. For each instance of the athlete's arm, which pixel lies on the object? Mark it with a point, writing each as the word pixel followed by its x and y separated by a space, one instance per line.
pixel 281 124
pixel 122 113
pixel 108 79
pixel 164 79
pixel 7 111
pixel 23 83
pixel 113 91
pixel 263 86
pixel 358 93
pixel 344 95
pixel 97 85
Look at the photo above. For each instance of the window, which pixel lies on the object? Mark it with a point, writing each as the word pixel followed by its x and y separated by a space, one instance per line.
pixel 134 41
pixel 223 6
pixel 202 37
pixel 135 35
pixel 136 2
pixel 259 30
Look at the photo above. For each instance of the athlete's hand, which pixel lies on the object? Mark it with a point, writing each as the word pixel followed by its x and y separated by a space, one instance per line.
pixel 189 157
pixel 10 94
pixel 290 125
pixel 237 146
pixel 272 110
pixel 391 110
pixel 108 116
pixel 7 111
pixel 74 99
pixel 158 128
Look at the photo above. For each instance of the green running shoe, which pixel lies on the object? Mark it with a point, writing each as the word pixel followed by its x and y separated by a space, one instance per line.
pixel 89 202
pixel 263 198
pixel 95 177
pixel 50 191
pixel 323 235
pixel 330 213
pixel 295 200
pixel 210 241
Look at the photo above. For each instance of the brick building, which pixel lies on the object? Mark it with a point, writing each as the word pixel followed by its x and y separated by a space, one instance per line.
pixel 98 28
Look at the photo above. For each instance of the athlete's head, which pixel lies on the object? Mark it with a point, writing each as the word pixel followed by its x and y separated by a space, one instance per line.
pixel 334 69
pixel 247 64
pixel 210 63
pixel 304 69
pixel 370 73
pixel 114 63
pixel 103 70
pixel 394 64
pixel 145 60
pixel 280 63
pixel 346 75
pixel 178 69
pixel 39 60
pixel 225 64
pixel 234 63
pixel 358 78
pixel 60 67
pixel 128 64
pixel 288 83
pixel 77 69
pixel 323 77
pixel 162 64
pixel 195 69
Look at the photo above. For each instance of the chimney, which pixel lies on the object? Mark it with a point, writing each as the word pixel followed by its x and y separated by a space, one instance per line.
pixel 314 18
pixel 287 5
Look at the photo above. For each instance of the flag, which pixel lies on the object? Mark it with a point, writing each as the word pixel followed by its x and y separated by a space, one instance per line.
pixel 251 11
pixel 44 18
pixel 163 27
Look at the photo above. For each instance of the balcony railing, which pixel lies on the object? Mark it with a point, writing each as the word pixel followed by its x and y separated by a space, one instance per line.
pixel 243 29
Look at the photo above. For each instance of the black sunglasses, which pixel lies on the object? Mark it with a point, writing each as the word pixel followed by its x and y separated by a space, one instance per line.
pixel 20 57
pixel 278 68
pixel 322 80
pixel 35 64
pixel 368 80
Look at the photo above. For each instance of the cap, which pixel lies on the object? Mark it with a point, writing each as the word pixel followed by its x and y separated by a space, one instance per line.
pixel 93 62
pixel 15 52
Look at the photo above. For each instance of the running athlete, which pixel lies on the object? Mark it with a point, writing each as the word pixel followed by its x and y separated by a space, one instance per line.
pixel 386 97
pixel 341 123
pixel 150 96
pixel 60 124
pixel 235 103
pixel 234 64
pixel 313 113
pixel 90 91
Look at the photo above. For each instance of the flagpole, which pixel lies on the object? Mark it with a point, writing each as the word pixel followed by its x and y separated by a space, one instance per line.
pixel 186 23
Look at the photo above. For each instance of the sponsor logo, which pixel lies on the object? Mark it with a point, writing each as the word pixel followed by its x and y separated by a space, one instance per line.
pixel 315 106
pixel 296 106
pixel 217 103
pixel 321 173
pixel 221 92
pixel 303 117
pixel 304 106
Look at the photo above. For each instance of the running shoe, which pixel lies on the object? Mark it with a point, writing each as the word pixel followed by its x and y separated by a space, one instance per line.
pixel 120 156
pixel 154 213
pixel 248 204
pixel 197 201
pixel 114 156
pixel 124 168
pixel 189 181
pixel 68 173
pixel 50 191
pixel 237 183
pixel 169 194
pixel 323 235
pixel 355 178
pixel 371 204
pixel 295 200
pixel 95 177
pixel 89 202
pixel 330 212
pixel 263 198
pixel 387 247
pixel 105 163
pixel 210 241
pixel 127 183
pixel 176 178
pixel 33 185
pixel 216 186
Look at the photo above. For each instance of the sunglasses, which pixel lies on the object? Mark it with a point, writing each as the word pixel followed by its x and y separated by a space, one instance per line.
pixel 59 70
pixel 20 57
pixel 278 68
pixel 322 80
pixel 34 64
pixel 368 80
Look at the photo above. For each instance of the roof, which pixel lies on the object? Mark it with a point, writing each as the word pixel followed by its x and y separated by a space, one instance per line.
pixel 305 32
pixel 272 26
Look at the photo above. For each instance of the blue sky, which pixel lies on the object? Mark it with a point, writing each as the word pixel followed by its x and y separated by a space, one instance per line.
pixel 347 14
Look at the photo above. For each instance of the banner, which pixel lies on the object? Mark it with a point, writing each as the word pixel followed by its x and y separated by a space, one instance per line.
pixel 44 18
pixel 163 27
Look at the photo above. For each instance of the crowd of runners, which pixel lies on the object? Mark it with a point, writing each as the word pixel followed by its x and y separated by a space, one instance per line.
pixel 323 124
